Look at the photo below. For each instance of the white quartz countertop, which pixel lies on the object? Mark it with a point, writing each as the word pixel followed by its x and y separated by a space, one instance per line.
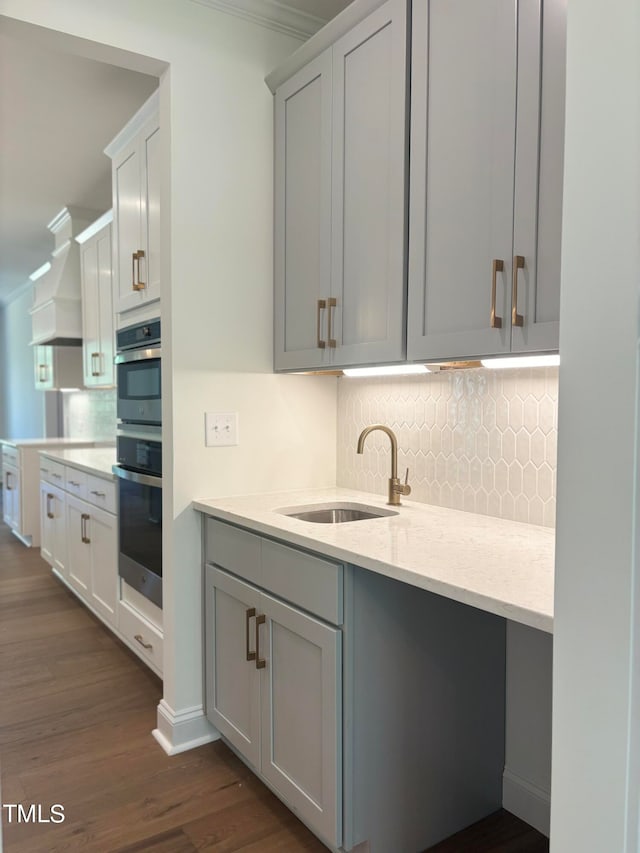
pixel 47 442
pixel 93 460
pixel 503 567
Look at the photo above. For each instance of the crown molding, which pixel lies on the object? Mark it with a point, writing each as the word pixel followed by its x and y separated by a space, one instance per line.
pixel 271 14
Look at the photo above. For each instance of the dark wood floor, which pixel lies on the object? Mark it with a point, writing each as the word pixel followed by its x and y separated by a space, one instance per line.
pixel 76 712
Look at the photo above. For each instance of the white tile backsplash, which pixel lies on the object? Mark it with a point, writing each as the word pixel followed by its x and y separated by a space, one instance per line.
pixel 479 440
pixel 90 414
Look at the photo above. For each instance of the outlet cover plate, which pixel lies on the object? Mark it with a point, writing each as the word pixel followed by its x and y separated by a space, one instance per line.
pixel 220 429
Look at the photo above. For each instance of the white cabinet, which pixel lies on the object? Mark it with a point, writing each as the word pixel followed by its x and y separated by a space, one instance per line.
pixel 135 155
pixel 53 527
pixel 97 303
pixel 57 367
pixel 340 200
pixel 12 507
pixel 92 537
pixel 487 118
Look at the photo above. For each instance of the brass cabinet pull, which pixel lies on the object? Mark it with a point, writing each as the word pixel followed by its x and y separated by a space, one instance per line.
pixel 49 499
pixel 516 319
pixel 57 476
pixel 83 528
pixel 74 483
pixel 140 639
pixel 251 611
pixel 260 662
pixel 322 304
pixel 95 364
pixel 137 284
pixel 494 321
pixel 331 302
pixel 42 373
pixel 44 470
pixel 98 494
pixel 6 482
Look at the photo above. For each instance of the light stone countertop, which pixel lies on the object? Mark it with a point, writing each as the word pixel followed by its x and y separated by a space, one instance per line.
pixel 94 460
pixel 47 442
pixel 503 567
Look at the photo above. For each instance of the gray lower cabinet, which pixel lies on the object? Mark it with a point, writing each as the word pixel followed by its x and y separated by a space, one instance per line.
pixel 373 709
pixel 340 200
pixel 274 692
pixel 487 125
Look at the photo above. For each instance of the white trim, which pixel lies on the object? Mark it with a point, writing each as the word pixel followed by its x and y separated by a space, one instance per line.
pixel 179 731
pixel 150 108
pixel 271 14
pixel 526 801
pixel 96 226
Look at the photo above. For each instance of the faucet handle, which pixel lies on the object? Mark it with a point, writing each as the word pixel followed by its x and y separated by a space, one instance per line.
pixel 405 489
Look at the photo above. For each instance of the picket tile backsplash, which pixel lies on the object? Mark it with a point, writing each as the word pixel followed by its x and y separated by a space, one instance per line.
pixel 479 440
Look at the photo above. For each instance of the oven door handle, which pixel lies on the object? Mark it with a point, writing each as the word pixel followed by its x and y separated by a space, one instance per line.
pixel 138 355
pixel 137 477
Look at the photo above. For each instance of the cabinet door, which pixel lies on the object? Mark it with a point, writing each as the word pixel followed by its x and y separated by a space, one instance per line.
pixel 43 365
pixel 233 682
pixel 463 115
pixel 106 324
pixel 150 208
pixel 102 531
pixel 79 550
pixel 90 313
pixel 12 495
pixel 303 216
pixel 302 714
pixel 537 228
pixel 126 225
pixel 59 540
pixel 368 192
pixel 46 523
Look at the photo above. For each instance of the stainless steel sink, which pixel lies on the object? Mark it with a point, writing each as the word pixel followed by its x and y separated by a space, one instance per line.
pixel 336 513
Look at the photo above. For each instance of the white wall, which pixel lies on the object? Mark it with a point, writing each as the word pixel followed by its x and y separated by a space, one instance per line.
pixel 217 211
pixel 22 408
pixel 597 431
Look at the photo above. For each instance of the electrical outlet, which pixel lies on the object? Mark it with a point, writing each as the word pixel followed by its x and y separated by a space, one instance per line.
pixel 220 429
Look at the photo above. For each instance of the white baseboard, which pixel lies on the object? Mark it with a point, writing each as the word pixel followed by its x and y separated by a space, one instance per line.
pixel 526 801
pixel 179 731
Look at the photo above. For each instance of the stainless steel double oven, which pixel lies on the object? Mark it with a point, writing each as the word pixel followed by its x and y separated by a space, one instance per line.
pixel 139 453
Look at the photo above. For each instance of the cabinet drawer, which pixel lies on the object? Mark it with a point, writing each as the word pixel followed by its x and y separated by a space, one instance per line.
pixel 10 455
pixel 52 472
pixel 313 583
pixel 76 482
pixel 233 549
pixel 101 492
pixel 143 638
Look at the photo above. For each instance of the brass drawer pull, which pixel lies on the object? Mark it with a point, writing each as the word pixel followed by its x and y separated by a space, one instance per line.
pixel 322 304
pixel 331 302
pixel 251 611
pixel 137 284
pixel 83 528
pixel 516 319
pixel 98 494
pixel 140 639
pixel 494 321
pixel 73 483
pixel 260 662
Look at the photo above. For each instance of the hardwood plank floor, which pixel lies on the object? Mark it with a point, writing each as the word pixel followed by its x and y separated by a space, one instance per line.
pixel 76 712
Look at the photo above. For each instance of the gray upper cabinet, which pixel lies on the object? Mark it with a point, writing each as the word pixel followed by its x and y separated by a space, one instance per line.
pixel 340 200
pixel 487 119
pixel 303 213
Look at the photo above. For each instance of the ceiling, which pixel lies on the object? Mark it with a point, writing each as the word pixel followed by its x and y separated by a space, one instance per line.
pixel 57 113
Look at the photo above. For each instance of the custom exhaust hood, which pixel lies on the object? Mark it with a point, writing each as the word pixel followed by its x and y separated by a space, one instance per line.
pixel 56 315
